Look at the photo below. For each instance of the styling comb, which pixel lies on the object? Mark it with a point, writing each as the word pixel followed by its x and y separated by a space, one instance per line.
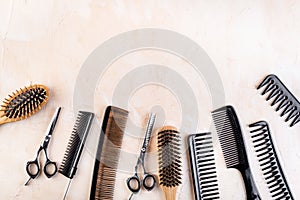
pixel 232 144
pixel 269 162
pixel 23 103
pixel 281 95
pixel 203 166
pixel 169 161
pixel 108 153
pixel 74 149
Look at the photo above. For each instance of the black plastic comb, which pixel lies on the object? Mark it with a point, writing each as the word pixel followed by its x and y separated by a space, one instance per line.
pixel 286 101
pixel 268 161
pixel 232 144
pixel 76 143
pixel 203 166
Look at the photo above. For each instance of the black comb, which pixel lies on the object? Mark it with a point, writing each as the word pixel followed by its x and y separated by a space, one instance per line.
pixel 286 101
pixel 232 144
pixel 203 166
pixel 268 161
pixel 76 143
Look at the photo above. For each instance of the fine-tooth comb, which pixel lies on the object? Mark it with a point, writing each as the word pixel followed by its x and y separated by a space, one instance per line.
pixel 203 166
pixel 168 144
pixel 268 161
pixel 23 103
pixel 76 143
pixel 232 144
pixel 108 152
pixel 283 97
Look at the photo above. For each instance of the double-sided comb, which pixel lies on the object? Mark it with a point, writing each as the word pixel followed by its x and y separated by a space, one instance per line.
pixel 108 153
pixel 203 166
pixel 232 144
pixel 286 101
pixel 268 161
pixel 76 143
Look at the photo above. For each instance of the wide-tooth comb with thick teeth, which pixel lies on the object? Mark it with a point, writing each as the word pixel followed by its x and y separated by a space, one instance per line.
pixel 203 166
pixel 281 95
pixel 268 161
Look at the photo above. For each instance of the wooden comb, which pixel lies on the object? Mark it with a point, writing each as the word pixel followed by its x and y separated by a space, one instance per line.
pixel 23 103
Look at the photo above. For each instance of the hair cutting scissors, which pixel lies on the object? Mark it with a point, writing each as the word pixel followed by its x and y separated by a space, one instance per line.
pixel 33 167
pixel 134 183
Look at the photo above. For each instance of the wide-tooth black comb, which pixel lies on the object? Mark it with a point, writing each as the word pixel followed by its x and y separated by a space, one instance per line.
pixel 268 161
pixel 76 143
pixel 203 166
pixel 108 153
pixel 232 144
pixel 286 101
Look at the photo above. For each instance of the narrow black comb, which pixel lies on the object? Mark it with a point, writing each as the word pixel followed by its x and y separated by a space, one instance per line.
pixel 232 144
pixel 203 166
pixel 268 161
pixel 76 143
pixel 286 101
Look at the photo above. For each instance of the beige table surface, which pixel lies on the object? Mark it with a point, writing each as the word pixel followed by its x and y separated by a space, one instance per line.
pixel 47 42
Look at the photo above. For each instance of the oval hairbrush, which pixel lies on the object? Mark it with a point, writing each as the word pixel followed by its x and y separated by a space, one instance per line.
pixel 23 103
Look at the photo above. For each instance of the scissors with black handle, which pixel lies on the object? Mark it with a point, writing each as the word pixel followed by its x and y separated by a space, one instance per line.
pixel 134 183
pixel 50 167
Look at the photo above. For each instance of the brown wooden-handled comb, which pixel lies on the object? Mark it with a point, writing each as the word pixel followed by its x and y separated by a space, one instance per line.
pixel 168 144
pixel 23 103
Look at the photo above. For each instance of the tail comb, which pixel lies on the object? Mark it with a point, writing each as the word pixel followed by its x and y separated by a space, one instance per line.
pixel 281 95
pixel 268 161
pixel 203 166
pixel 76 143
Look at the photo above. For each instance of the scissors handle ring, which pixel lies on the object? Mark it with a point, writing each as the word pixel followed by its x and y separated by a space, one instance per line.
pixel 149 182
pixel 29 164
pixel 137 180
pixel 48 164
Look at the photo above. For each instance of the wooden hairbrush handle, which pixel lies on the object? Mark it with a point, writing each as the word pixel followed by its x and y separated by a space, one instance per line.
pixel 170 192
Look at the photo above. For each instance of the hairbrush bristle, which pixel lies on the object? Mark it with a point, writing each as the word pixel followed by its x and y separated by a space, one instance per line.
pixel 168 140
pixel 76 143
pixel 230 136
pixel 24 102
pixel 108 152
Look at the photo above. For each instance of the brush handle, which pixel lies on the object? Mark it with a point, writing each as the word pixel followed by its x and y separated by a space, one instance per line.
pixel 170 192
pixel 251 190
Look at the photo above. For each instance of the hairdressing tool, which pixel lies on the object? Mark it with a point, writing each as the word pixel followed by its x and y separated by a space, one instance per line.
pixel 232 144
pixel 74 149
pixel 168 143
pixel 23 103
pixel 148 180
pixel 203 166
pixel 108 152
pixel 283 97
pixel 33 167
pixel 268 161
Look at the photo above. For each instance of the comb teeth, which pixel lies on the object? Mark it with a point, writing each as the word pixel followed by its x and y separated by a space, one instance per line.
pixel 76 143
pixel 268 161
pixel 230 136
pixel 25 102
pixel 203 166
pixel 282 97
pixel 169 157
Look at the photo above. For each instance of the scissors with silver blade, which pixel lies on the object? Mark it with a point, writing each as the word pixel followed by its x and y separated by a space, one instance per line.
pixel 33 167
pixel 134 183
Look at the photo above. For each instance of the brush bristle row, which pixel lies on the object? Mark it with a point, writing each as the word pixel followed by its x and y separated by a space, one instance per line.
pixel 169 158
pixel 268 161
pixel 25 102
pixel 282 97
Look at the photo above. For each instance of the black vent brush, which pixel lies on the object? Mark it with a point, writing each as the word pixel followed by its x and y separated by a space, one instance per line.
pixel 269 162
pixel 108 153
pixel 168 144
pixel 232 144
pixel 282 97
pixel 76 143
pixel 203 166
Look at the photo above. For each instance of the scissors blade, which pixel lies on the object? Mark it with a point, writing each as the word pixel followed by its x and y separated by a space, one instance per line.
pixel 51 127
pixel 148 132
